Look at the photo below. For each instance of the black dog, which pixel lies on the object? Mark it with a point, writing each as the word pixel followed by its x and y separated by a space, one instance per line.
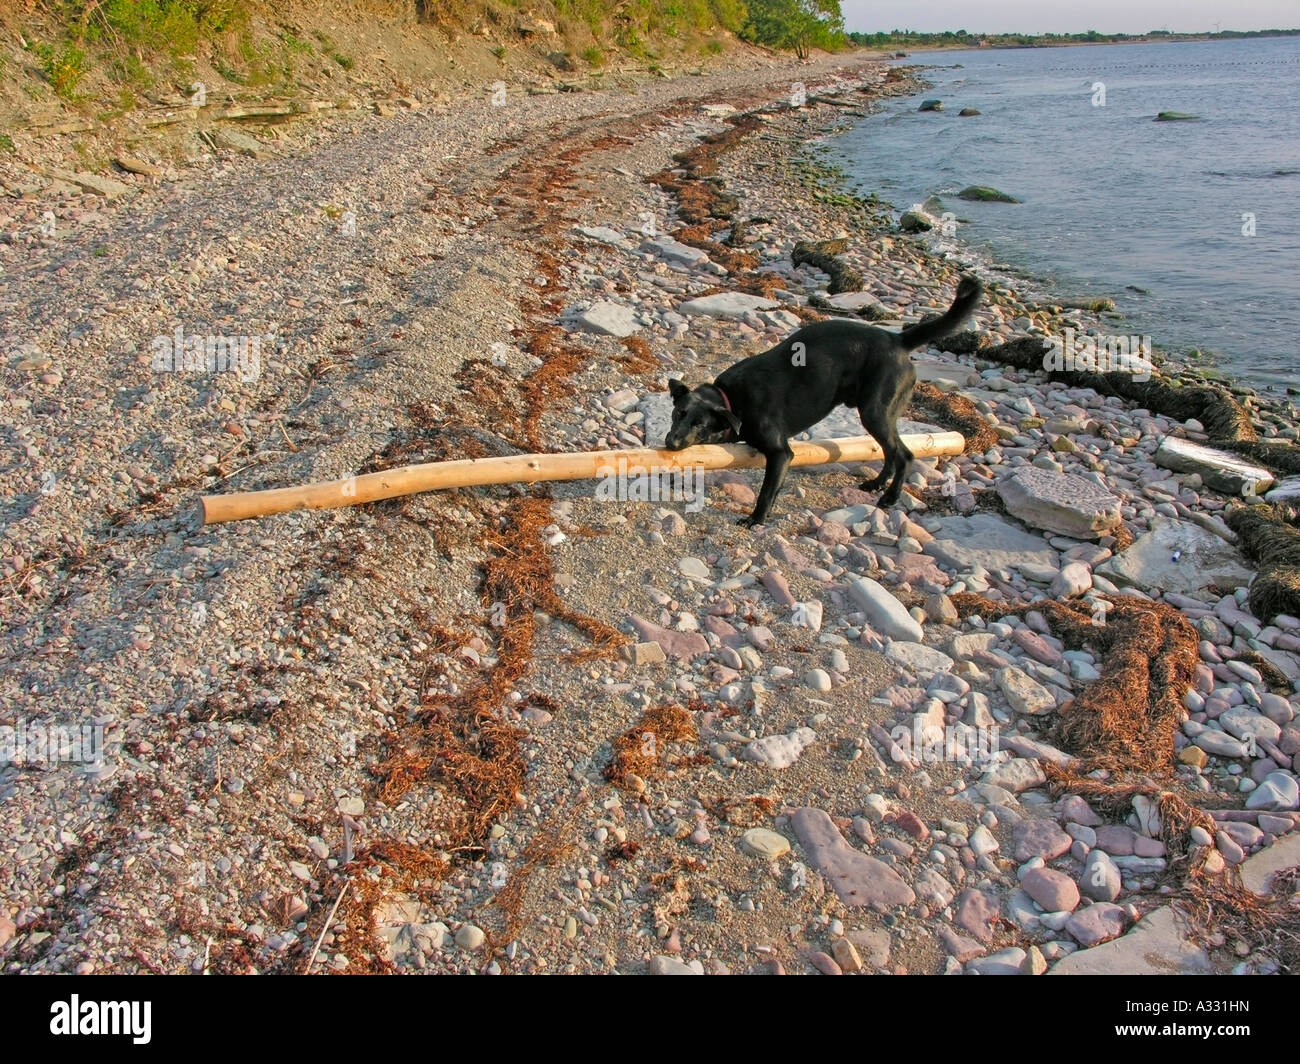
pixel 770 397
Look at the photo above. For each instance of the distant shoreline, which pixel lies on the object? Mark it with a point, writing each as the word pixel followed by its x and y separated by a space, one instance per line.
pixel 970 46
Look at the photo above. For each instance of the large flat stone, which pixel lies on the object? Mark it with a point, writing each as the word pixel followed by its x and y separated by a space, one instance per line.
pixel 608 319
pixel 1257 871
pixel 729 305
pixel 100 186
pixel 988 540
pixel 1203 559
pixel 923 660
pixel 860 881
pixel 1220 470
pixel 1059 502
pixel 1157 945
pixel 674 251
pixel 947 375
pixel 883 611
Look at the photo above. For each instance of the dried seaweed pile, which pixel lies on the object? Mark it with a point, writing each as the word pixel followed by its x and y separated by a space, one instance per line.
pixel 955 412
pixel 825 256
pixel 702 202
pixel 1268 536
pixel 1123 722
pixel 639 751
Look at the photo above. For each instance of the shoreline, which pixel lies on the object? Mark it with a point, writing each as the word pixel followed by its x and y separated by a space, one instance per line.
pixel 1191 362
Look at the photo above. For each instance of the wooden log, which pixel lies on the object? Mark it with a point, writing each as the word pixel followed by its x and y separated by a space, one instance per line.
pixel 532 468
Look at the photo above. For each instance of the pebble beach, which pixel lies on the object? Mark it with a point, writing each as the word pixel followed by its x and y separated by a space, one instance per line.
pixel 554 730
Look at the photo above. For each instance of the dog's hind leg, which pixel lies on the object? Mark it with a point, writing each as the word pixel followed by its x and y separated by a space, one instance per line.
pixel 778 463
pixel 879 411
pixel 902 456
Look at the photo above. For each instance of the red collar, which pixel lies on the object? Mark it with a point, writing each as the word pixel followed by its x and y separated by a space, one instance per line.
pixel 727 403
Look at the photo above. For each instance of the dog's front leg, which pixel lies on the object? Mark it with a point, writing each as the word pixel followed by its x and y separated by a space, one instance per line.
pixel 778 462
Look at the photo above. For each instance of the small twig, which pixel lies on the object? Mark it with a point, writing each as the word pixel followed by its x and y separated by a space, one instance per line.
pixel 292 446
pixel 328 920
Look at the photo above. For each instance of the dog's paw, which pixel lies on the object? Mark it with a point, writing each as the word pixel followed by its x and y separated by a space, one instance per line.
pixel 872 485
pixel 752 522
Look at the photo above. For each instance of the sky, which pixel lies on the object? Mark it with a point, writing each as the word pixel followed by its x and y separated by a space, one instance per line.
pixel 1070 16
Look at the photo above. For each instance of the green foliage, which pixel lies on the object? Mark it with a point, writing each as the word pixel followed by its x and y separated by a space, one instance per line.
pixel 63 67
pixel 796 25
pixel 593 56
pixel 7 143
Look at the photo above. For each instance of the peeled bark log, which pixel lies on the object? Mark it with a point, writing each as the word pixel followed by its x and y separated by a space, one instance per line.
pixel 532 468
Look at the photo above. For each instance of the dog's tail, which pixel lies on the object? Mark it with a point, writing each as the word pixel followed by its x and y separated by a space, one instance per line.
pixel 926 332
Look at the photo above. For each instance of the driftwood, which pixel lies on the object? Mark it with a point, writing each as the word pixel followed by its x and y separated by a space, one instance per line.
pixel 532 468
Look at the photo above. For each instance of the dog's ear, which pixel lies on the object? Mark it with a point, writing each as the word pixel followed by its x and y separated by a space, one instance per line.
pixel 731 418
pixel 677 389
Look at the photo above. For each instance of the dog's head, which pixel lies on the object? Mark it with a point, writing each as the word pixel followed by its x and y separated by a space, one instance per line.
pixel 699 416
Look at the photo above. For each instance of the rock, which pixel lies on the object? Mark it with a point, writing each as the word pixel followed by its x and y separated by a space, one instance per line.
pixel 133 165
pixel 1039 838
pixel 915 222
pixel 673 251
pixel 859 302
pixel 1203 559
pixel 983 842
pixel 817 680
pixel 100 186
pixel 680 645
pixel 1097 923
pixel 1221 744
pixel 846 955
pixel 1157 945
pixel 1175 116
pixel 951 373
pixel 883 612
pixel 1219 470
pixel 1063 503
pixel 985 194
pixel 1054 891
pixel 760 842
pixel 1018 774
pixel 931 105
pixel 940 610
pixel 975 913
pixel 605 235
pixel 642 653
pixel 920 659
pixel 1026 695
pixel 1276 794
pixel 959 946
pixel 1100 879
pixel 1257 871
pixel 1074 579
pixel 823 962
pixel 1010 961
pixel 1246 724
pixel 779 751
pixel 988 540
pixel 875 942
pixel 470 937
pixel 661 965
pixel 968 112
pixel 608 319
pixel 729 305
pixel 859 881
